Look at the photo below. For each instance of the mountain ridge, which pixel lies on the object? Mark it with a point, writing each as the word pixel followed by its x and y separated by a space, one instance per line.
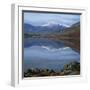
pixel 52 28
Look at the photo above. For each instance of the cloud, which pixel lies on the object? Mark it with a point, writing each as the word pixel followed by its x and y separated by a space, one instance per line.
pixel 43 18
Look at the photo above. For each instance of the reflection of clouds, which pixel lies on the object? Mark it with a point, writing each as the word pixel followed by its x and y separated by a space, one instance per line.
pixel 54 49
pixel 44 52
pixel 48 57
pixel 48 48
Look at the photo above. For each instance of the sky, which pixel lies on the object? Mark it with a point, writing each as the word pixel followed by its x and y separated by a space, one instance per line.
pixel 41 18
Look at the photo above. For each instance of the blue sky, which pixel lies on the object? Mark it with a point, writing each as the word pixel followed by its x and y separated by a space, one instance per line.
pixel 38 19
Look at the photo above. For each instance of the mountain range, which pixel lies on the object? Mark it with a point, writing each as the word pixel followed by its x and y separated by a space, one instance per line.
pixel 46 28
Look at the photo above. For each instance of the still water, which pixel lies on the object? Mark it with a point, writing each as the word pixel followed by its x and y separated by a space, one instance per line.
pixel 45 53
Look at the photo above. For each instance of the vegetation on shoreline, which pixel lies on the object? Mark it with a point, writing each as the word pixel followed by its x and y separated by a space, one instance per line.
pixel 72 68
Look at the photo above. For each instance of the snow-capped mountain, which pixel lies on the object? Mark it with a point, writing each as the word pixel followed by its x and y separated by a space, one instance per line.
pixel 48 27
pixel 50 24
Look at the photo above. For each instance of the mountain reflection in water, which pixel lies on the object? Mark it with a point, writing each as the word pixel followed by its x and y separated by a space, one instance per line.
pixel 46 53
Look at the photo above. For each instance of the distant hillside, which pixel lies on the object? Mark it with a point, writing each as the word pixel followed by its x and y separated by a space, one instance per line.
pixel 71 36
pixel 73 31
pixel 28 28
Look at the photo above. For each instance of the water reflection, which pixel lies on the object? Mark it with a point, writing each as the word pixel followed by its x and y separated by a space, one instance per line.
pixel 45 53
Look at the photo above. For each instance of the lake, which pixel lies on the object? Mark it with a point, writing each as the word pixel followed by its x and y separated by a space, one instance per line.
pixel 46 53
